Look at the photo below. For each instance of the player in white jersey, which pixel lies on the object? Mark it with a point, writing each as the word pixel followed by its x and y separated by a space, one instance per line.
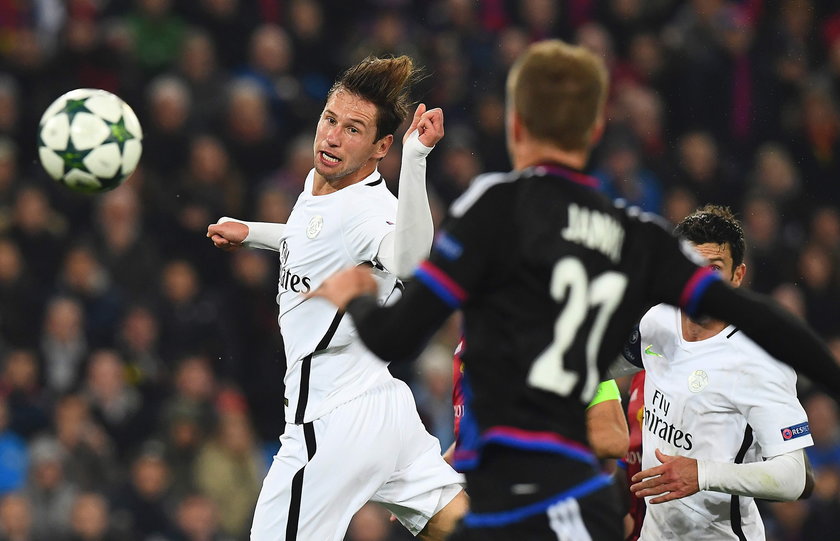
pixel 716 404
pixel 352 430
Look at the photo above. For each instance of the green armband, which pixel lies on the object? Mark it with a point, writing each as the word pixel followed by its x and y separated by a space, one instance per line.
pixel 607 390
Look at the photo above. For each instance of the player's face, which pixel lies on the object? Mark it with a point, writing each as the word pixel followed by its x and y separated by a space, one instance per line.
pixel 345 147
pixel 720 260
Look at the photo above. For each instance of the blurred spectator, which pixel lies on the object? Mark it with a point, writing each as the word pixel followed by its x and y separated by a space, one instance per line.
pixel 701 170
pixel 16 519
pixel 195 391
pixel 816 269
pixel 823 418
pixel 21 302
pixel 84 279
pixel 198 67
pixel 250 132
pixel 132 260
pixel 433 392
pixel 197 519
pixel 51 495
pixel 165 125
pixel 229 470
pixel 143 507
pixel 39 232
pixel 189 317
pixel 622 175
pixel 87 452
pixel 114 404
pixel 157 34
pixel 769 257
pixel 89 520
pixel 138 343
pixel 28 406
pixel 210 186
pixel 370 523
pixel 64 346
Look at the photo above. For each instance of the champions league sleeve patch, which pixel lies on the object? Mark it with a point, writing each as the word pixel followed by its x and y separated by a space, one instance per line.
pixel 448 247
pixel 795 431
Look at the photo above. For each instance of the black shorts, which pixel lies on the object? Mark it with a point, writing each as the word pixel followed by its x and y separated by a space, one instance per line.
pixel 520 495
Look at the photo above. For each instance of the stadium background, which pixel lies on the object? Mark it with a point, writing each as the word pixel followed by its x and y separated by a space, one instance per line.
pixel 141 369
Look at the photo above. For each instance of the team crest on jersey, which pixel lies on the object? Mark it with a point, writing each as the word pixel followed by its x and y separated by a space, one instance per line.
pixel 697 381
pixel 316 223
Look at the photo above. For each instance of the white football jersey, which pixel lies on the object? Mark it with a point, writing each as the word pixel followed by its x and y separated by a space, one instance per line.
pixel 326 364
pixel 723 399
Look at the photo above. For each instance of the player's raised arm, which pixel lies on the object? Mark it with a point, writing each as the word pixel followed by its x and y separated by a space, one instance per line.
pixel 605 425
pixel 402 250
pixel 230 234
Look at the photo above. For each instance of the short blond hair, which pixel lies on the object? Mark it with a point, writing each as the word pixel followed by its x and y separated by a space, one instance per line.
pixel 559 92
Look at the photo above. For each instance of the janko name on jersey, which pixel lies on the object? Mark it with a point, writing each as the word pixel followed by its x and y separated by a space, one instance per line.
pixel 595 230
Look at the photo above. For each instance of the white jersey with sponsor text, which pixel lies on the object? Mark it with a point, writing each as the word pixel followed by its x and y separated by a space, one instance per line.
pixel 723 399
pixel 325 364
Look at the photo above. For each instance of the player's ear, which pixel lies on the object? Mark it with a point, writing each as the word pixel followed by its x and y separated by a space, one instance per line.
pixel 738 274
pixel 382 146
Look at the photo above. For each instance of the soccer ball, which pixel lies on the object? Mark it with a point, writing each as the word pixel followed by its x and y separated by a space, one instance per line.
pixel 89 140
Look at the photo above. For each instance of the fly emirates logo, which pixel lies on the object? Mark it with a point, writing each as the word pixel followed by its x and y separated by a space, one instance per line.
pixel 288 279
pixel 654 421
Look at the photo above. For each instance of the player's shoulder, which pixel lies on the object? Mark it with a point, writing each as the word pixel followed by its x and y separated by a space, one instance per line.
pixel 482 186
pixel 661 317
pixel 754 359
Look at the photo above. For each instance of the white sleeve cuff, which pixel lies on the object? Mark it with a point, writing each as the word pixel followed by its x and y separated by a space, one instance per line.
pixel 262 235
pixel 780 478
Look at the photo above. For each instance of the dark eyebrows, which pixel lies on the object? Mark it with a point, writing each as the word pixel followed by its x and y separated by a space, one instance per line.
pixel 352 120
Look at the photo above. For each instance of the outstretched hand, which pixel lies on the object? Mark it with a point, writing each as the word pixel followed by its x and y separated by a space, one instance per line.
pixel 346 285
pixel 227 235
pixel 675 478
pixel 429 125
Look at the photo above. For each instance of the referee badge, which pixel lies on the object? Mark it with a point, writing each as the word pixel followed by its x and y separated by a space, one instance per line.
pixel 697 381
pixel 316 223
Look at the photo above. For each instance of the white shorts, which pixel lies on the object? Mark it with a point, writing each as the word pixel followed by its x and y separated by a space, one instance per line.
pixel 372 448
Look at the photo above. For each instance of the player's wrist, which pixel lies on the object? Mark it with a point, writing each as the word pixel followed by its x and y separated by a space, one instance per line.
pixel 414 149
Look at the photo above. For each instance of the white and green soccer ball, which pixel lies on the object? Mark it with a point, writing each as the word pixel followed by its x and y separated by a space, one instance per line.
pixel 89 140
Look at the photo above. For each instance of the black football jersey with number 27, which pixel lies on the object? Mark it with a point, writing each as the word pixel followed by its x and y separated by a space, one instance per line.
pixel 551 276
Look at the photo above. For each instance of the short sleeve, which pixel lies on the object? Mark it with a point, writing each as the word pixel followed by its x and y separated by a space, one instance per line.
pixel 464 251
pixel 772 409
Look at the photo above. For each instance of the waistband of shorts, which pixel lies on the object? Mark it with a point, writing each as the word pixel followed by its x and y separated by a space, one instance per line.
pixel 503 518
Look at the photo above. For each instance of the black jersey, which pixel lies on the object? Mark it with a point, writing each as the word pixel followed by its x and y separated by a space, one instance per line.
pixel 551 276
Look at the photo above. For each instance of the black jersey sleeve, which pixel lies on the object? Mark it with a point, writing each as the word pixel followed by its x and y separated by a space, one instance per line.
pixel 677 273
pixel 632 350
pixel 469 250
pixel 776 330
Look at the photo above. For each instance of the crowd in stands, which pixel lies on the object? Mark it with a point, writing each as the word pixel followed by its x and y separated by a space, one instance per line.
pixel 141 369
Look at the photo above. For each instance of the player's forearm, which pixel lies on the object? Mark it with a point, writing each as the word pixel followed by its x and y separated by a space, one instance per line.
pixel 781 478
pixel 605 424
pixel 399 331
pixel 414 230
pixel 777 331
pixel 262 235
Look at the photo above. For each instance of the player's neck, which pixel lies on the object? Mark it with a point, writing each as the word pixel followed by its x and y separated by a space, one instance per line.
pixel 535 152
pixel 323 186
pixel 693 331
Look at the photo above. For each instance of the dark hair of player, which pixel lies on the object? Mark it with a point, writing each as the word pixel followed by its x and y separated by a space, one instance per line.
pixel 385 82
pixel 715 224
pixel 559 91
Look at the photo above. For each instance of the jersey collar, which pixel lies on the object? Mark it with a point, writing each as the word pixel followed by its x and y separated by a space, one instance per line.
pixel 572 175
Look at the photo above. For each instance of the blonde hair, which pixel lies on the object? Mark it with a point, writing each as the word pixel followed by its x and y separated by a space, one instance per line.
pixel 559 92
pixel 385 82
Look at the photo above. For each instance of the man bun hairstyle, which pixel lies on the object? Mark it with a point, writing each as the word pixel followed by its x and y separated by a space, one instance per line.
pixel 386 83
pixel 715 224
